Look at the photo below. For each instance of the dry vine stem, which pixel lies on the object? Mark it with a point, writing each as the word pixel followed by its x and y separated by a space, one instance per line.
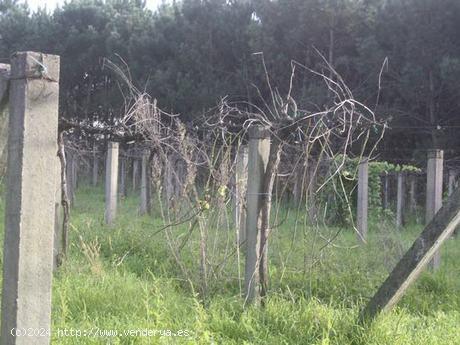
pixel 328 133
pixel 64 202
pixel 204 149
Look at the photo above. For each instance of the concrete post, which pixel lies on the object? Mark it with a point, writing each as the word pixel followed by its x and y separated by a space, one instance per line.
pixel 95 165
pixel 451 181
pixel 30 198
pixel 168 181
pixel 75 164
pixel 4 84
pixel 412 194
pixel 452 186
pixel 363 195
pixel 123 176
pixel 434 192
pixel 111 182
pixel 145 184
pixel 135 173
pixel 259 151
pixel 299 177
pixel 385 191
pixel 241 180
pixel 400 200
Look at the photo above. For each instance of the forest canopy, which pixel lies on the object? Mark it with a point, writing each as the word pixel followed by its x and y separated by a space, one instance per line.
pixel 400 57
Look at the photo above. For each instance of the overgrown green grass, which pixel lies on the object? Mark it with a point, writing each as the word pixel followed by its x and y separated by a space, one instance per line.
pixel 125 277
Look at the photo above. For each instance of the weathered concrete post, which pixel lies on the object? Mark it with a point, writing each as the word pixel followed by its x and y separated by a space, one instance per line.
pixel 385 191
pixel 452 186
pixel 241 180
pixel 111 182
pixel 299 179
pixel 168 176
pixel 400 200
pixel 74 167
pixel 178 179
pixel 145 184
pixel 412 194
pixel 413 198
pixel 259 151
pixel 451 181
pixel 30 198
pixel 363 190
pixel 95 165
pixel 123 176
pixel 135 172
pixel 434 192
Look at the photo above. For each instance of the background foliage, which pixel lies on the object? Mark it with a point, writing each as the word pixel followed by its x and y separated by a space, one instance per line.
pixel 400 57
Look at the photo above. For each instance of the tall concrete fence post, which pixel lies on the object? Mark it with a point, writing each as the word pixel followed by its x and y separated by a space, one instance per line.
pixel 30 198
pixel 434 192
pixel 111 182
pixel 259 151
pixel 135 173
pixel 363 196
pixel 451 181
pixel 123 176
pixel 452 185
pixel 400 200
pixel 145 184
pixel 241 181
pixel 385 191
pixel 95 165
pixel 75 166
pixel 168 176
pixel 299 182
pixel 412 194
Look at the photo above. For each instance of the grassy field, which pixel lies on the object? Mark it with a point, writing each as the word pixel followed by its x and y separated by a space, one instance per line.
pixel 125 278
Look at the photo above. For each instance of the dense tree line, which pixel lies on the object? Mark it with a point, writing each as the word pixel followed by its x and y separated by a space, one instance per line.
pixel 400 57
